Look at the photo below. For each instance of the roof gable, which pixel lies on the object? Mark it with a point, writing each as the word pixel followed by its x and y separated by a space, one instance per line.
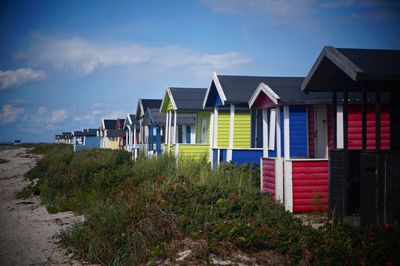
pixel 109 123
pixel 143 104
pixel 354 69
pixel 167 102
pixel 153 116
pixel 215 95
pixel 285 90
pixel 263 97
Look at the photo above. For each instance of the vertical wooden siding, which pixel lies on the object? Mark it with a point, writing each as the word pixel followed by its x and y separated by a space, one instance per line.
pixel 311 132
pixel 329 114
pixel 298 131
pixel 223 129
pixel 355 127
pixel 241 134
pixel 310 185
pixel 268 178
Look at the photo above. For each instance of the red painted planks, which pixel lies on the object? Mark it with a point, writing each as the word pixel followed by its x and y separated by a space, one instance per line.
pixel 355 127
pixel 310 185
pixel 268 178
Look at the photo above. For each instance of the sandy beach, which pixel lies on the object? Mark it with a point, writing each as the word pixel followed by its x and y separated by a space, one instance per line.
pixel 27 231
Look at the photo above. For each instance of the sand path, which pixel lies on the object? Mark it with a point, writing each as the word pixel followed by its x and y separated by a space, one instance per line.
pixel 27 230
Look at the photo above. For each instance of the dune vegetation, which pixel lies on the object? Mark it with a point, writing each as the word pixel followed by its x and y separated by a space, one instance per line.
pixel 142 211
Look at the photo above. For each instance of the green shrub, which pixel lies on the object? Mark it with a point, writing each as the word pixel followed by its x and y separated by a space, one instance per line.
pixel 135 209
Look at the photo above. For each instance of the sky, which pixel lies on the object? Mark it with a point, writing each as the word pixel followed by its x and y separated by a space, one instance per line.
pixel 65 65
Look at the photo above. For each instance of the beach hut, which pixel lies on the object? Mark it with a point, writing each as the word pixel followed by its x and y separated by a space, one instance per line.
pixel 109 134
pixel 141 108
pixel 77 137
pixel 187 130
pixel 67 138
pixel 365 161
pixel 90 140
pixel 154 122
pixel 231 119
pixel 119 126
pixel 132 131
pixel 293 130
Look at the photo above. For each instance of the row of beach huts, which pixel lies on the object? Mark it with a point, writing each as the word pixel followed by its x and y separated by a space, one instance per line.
pixel 324 141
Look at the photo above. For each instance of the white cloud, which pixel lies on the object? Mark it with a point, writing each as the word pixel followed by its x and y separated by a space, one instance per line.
pixel 299 12
pixel 19 77
pixel 10 114
pixel 58 116
pixel 41 110
pixel 358 4
pixel 79 55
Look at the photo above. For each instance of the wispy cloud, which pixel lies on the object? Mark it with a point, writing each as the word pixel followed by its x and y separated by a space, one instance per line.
pixel 358 4
pixel 10 114
pixel 300 12
pixel 79 55
pixel 58 116
pixel 19 77
pixel 41 110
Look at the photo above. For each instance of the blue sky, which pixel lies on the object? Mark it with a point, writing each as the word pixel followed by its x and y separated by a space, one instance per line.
pixel 66 64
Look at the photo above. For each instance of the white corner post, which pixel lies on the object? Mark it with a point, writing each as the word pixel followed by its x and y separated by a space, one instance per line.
pixel 339 126
pixel 141 131
pixel 174 136
pixel 166 128
pixel 278 160
pixel 265 133
pixel 134 141
pixel 216 133
pixel 211 140
pixel 231 133
pixel 288 184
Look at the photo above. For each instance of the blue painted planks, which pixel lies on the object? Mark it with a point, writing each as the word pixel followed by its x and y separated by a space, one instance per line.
pixel 240 157
pixel 298 131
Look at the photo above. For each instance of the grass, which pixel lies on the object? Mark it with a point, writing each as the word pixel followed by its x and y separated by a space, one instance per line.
pixel 135 210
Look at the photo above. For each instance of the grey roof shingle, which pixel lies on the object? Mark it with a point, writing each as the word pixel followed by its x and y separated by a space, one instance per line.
pixel 239 89
pixel 77 133
pixel 153 116
pixel 110 123
pixel 90 132
pixel 112 133
pixel 289 91
pixel 188 98
pixel 145 104
pixel 354 69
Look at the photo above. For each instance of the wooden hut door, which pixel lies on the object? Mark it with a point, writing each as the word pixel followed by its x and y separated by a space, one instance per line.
pixel 321 135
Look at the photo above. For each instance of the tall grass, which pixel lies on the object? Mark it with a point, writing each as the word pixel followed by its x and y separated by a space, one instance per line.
pixel 134 210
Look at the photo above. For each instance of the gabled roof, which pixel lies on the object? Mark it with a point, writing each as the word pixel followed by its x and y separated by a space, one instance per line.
pixel 112 133
pixel 130 120
pixel 286 90
pixel 177 98
pixel 153 116
pixel 119 124
pixel 233 89
pixel 67 135
pixel 109 123
pixel 90 132
pixel 77 133
pixel 354 69
pixel 143 104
